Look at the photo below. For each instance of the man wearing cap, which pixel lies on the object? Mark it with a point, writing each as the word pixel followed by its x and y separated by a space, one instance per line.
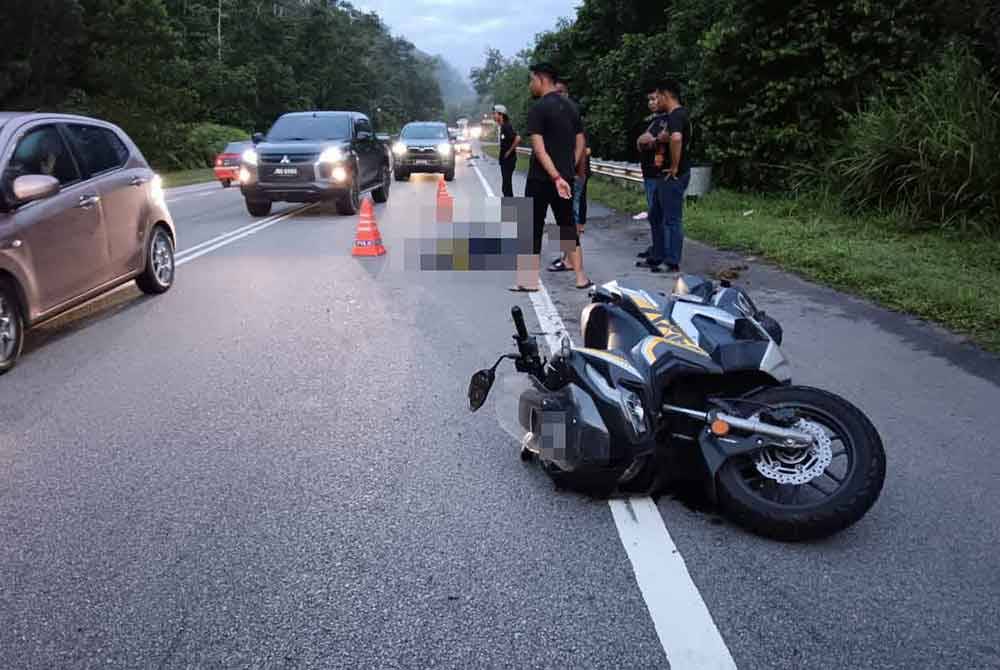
pixel 557 145
pixel 508 148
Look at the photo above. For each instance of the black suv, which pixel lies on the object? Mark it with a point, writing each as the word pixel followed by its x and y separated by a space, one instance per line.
pixel 314 156
pixel 424 146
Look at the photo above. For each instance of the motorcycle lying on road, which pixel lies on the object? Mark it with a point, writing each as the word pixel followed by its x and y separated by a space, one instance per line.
pixel 693 386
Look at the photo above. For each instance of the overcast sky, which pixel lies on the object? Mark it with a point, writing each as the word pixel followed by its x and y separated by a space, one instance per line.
pixel 460 30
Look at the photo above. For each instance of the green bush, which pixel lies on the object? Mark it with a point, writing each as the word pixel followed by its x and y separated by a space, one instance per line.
pixel 206 140
pixel 930 155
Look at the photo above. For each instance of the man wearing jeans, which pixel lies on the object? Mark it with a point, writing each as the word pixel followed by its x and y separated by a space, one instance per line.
pixel 676 138
pixel 651 159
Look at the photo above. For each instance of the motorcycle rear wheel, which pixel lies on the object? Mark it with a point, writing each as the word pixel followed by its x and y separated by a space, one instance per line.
pixel 830 501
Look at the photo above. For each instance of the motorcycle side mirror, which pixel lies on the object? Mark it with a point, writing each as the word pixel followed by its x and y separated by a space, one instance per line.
pixel 479 388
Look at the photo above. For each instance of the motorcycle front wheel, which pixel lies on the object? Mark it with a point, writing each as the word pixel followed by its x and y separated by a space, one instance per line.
pixel 795 495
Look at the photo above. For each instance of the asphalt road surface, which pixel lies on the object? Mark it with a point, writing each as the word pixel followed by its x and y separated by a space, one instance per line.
pixel 273 466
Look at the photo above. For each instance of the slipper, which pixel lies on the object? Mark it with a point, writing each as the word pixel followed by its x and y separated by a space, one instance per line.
pixel 558 266
pixel 522 289
pixel 587 285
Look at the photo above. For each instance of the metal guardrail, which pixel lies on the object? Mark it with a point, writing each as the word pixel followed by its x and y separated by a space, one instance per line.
pixel 614 169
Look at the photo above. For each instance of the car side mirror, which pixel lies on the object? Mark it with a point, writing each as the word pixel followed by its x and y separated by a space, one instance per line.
pixel 364 135
pixel 257 138
pixel 32 187
pixel 479 388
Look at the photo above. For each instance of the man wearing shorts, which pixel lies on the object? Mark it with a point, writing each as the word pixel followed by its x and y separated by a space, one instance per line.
pixel 557 144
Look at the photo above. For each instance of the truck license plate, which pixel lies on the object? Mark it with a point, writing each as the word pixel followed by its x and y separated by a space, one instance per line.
pixel 286 172
pixel 419 162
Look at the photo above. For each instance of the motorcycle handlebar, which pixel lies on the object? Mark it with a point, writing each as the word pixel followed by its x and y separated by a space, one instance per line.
pixel 522 331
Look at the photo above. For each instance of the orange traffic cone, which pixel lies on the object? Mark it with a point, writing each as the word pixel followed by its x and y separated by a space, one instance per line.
pixel 368 240
pixel 445 206
pixel 442 188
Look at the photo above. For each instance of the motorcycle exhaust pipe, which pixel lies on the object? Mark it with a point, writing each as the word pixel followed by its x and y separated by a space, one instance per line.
pixel 791 439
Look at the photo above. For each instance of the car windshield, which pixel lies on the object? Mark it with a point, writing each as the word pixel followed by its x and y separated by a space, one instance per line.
pixel 235 148
pixel 292 128
pixel 425 133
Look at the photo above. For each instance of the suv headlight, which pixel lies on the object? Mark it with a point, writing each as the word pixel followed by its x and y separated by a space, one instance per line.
pixel 331 155
pixel 444 149
pixel 250 157
pixel 399 148
pixel 156 189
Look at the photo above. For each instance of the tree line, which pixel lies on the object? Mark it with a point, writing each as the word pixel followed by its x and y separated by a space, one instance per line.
pixel 888 105
pixel 178 75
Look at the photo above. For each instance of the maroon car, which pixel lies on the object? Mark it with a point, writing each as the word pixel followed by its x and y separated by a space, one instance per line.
pixel 81 213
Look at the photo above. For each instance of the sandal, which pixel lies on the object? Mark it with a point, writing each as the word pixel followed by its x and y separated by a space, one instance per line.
pixel 587 285
pixel 522 289
pixel 558 266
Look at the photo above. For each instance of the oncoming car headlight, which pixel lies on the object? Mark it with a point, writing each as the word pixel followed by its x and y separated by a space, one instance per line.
pixel 444 149
pixel 250 157
pixel 331 155
pixel 399 148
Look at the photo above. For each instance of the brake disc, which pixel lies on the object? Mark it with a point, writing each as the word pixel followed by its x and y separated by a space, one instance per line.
pixel 797 466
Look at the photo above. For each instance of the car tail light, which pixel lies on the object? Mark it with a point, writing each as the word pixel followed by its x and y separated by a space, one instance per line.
pixel 218 160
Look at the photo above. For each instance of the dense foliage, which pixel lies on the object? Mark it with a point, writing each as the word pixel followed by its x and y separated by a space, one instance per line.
pixel 774 86
pixel 160 67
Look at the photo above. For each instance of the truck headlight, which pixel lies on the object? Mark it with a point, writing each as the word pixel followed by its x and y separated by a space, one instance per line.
pixel 250 157
pixel 444 149
pixel 399 148
pixel 331 155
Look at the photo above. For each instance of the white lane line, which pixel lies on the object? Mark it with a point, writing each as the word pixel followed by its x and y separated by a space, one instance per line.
pixel 238 234
pixel 687 632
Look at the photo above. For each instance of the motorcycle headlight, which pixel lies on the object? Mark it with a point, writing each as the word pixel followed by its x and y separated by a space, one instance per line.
pixel 250 157
pixel 331 155
pixel 444 149
pixel 399 148
pixel 632 406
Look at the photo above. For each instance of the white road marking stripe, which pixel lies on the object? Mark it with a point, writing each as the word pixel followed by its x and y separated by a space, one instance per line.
pixel 682 621
pixel 232 236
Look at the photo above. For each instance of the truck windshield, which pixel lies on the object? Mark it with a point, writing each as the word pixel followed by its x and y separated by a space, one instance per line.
pixel 294 128
pixel 424 133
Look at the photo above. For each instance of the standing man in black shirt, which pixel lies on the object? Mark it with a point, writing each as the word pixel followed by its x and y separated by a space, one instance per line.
pixel 676 138
pixel 557 146
pixel 509 140
pixel 583 173
pixel 651 158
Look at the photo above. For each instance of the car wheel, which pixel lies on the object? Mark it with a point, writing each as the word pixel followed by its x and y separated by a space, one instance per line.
pixel 449 175
pixel 349 204
pixel 259 207
pixel 158 276
pixel 381 194
pixel 11 327
pixel 226 183
pixel 402 175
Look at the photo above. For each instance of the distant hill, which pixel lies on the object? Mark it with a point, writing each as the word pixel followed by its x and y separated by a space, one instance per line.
pixel 455 89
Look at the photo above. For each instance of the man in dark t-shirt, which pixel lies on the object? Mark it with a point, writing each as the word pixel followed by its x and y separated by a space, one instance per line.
pixel 671 174
pixel 557 144
pixel 583 172
pixel 676 137
pixel 509 140
pixel 651 158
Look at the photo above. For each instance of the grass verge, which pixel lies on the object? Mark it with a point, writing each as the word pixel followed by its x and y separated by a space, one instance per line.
pixel 953 280
pixel 187 177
